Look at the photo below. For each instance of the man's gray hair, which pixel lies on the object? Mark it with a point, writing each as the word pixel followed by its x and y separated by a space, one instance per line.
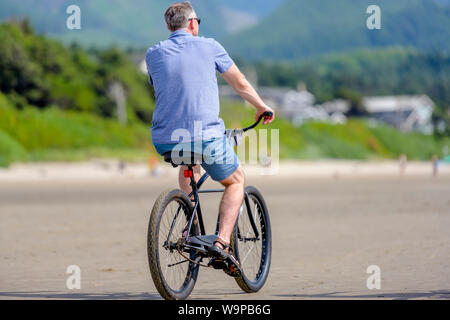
pixel 178 14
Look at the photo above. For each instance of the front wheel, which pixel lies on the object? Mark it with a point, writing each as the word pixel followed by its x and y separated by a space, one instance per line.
pixel 252 241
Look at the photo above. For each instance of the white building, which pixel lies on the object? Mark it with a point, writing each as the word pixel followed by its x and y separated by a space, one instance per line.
pixel 407 113
pixel 298 106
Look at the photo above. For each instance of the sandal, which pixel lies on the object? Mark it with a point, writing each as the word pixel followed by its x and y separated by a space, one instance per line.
pixel 224 259
pixel 234 267
pixel 219 254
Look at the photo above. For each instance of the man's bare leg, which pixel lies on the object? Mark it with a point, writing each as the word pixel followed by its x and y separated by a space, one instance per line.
pixel 231 200
pixel 231 203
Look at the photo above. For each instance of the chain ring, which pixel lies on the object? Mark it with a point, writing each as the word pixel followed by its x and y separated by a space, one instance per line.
pixel 179 249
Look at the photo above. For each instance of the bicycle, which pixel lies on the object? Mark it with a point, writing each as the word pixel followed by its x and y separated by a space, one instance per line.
pixel 177 241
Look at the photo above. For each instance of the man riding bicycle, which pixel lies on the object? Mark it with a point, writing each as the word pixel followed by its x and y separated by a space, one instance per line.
pixel 182 70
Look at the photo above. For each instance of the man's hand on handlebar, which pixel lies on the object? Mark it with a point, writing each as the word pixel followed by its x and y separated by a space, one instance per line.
pixel 261 112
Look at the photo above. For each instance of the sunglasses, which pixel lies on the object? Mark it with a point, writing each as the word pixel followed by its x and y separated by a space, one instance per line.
pixel 198 20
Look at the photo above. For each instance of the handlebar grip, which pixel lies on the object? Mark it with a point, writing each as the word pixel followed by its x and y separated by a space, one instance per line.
pixel 265 114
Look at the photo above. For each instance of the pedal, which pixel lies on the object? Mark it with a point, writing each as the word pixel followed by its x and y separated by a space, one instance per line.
pixel 217 264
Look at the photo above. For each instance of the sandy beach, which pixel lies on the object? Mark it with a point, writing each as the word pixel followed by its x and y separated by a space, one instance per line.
pixel 111 169
pixel 330 222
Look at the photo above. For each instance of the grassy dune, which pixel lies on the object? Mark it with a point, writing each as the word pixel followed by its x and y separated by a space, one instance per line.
pixel 357 139
pixel 55 135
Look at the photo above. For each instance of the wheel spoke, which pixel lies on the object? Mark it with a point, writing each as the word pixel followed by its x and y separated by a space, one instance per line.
pixel 174 268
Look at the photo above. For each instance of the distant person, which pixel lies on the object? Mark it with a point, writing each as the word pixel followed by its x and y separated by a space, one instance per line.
pixel 182 70
pixel 435 164
pixel 122 166
pixel 153 166
pixel 403 161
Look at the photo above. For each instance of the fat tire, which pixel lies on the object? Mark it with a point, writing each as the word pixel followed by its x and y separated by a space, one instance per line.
pixel 153 247
pixel 243 282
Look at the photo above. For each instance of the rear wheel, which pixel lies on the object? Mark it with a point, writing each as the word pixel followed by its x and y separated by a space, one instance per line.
pixel 173 275
pixel 253 249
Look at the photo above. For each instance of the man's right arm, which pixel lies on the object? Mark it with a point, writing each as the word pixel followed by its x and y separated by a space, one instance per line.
pixel 240 84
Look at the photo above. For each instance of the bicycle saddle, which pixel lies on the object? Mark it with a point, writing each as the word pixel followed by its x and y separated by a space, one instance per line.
pixel 186 158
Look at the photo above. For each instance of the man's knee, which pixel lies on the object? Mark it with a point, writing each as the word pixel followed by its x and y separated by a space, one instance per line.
pixel 237 177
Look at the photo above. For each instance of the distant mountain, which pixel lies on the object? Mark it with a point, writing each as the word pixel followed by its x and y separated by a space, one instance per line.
pixel 300 28
pixel 257 8
pixel 105 22
pixel 252 30
pixel 137 23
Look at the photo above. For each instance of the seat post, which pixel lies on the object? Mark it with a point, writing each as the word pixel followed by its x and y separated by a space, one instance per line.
pixel 189 173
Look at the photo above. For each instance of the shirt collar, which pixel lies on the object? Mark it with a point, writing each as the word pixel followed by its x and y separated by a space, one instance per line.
pixel 179 33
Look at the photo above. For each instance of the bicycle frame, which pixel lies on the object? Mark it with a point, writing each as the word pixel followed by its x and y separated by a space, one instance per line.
pixel 198 212
pixel 197 208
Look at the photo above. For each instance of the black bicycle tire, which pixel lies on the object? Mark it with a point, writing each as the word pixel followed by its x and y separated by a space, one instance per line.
pixel 242 281
pixel 153 247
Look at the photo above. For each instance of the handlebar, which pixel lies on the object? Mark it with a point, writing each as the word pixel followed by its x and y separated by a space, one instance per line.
pixel 265 114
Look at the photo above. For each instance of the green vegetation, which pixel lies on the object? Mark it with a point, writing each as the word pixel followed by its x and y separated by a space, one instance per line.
pixel 54 103
pixel 37 71
pixel 390 71
pixel 10 150
pixel 394 70
pixel 357 139
pixel 54 135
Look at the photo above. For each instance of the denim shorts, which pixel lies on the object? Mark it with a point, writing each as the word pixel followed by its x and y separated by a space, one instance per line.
pixel 219 158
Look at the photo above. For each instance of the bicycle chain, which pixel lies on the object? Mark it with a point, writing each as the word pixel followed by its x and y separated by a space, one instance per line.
pixel 179 243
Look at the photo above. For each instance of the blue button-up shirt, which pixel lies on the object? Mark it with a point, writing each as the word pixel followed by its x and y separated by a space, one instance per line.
pixel 182 70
